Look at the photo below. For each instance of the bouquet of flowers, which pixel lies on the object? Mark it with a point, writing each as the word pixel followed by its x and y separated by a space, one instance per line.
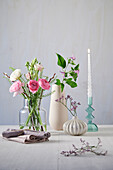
pixel 32 87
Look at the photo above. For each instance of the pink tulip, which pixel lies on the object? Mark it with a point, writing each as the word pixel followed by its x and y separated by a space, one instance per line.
pixel 16 87
pixel 44 84
pixel 33 86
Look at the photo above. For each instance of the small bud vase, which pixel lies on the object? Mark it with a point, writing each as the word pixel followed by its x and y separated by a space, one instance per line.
pixel 58 114
pixel 75 127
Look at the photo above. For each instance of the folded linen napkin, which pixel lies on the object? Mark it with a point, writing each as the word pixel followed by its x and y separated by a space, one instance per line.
pixel 26 135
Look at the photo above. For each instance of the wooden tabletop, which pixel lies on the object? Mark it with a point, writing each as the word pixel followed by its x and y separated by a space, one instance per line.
pixel 46 155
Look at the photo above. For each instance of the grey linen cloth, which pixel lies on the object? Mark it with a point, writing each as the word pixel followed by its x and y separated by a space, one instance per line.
pixel 26 135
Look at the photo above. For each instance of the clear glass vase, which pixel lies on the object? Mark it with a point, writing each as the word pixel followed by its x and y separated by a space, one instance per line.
pixel 23 114
pixel 37 120
pixel 43 114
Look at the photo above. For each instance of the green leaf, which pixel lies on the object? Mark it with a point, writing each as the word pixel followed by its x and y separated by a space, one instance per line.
pixel 72 68
pixel 61 61
pixel 67 79
pixel 62 87
pixel 77 67
pixel 69 60
pixel 74 75
pixel 66 74
pixel 72 63
pixel 71 83
pixel 13 69
pixel 57 82
pixel 27 64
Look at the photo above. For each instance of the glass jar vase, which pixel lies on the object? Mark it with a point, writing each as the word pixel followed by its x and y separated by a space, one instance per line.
pixel 36 119
pixel 23 114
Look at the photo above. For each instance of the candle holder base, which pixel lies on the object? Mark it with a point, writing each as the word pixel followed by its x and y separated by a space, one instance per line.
pixel 92 127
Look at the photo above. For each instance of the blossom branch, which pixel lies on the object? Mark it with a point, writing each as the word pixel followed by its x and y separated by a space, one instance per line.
pixel 73 104
pixel 66 107
pixel 5 74
pixel 85 148
pixel 52 78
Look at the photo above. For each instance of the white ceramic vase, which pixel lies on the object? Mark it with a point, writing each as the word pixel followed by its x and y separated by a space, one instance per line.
pixel 75 126
pixel 58 114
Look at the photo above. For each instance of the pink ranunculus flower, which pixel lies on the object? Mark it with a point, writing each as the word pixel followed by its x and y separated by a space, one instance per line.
pixel 16 87
pixel 15 75
pixel 33 86
pixel 44 84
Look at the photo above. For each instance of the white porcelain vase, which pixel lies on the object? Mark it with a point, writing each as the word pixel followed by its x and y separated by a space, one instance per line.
pixel 58 114
pixel 75 126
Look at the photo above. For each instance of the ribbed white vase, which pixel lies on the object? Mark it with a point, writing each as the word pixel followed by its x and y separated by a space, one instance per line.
pixel 58 114
pixel 75 126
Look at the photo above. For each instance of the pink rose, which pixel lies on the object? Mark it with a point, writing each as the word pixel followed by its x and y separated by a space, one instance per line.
pixel 33 86
pixel 16 87
pixel 44 84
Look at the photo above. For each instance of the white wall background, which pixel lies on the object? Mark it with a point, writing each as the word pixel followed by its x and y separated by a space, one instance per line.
pixel 40 28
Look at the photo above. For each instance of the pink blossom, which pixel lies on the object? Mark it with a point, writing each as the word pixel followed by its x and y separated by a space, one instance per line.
pixel 28 76
pixel 73 58
pixel 16 87
pixel 33 86
pixel 77 71
pixel 44 84
pixel 62 73
pixel 38 67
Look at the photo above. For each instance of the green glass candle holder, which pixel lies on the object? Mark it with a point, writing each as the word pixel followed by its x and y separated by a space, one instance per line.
pixel 92 127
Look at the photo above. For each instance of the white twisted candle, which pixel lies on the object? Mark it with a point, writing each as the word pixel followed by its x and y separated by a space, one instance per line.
pixel 89 75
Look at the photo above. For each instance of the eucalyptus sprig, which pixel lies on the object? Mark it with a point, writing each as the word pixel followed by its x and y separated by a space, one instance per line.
pixel 69 71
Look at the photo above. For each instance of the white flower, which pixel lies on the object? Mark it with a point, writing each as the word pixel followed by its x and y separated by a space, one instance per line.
pixel 38 67
pixel 15 75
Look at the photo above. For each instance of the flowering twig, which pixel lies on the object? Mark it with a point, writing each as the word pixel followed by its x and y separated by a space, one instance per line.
pixel 85 148
pixel 52 78
pixel 73 104
pixel 66 107
pixel 69 71
pixel 5 74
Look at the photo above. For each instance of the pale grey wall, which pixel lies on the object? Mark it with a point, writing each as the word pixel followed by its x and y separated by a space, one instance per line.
pixel 40 28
